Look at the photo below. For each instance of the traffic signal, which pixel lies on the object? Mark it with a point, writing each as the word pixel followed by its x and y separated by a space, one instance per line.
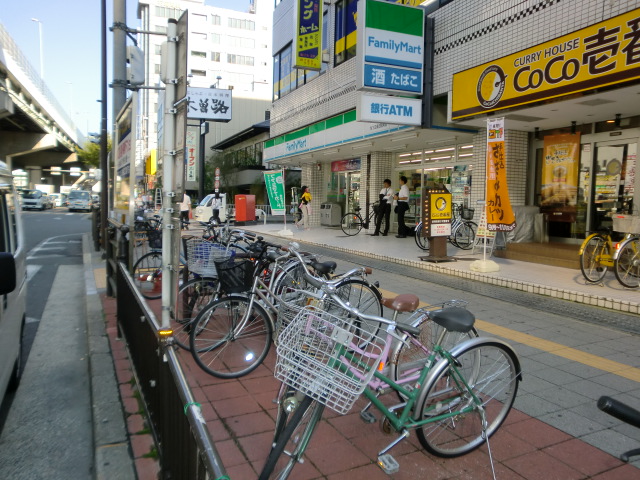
pixel 135 66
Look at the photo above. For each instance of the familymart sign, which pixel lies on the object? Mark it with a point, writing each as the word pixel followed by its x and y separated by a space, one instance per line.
pixel 392 39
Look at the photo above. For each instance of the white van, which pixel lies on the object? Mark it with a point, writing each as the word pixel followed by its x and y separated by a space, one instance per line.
pixel 204 211
pixel 34 200
pixel 13 284
pixel 80 200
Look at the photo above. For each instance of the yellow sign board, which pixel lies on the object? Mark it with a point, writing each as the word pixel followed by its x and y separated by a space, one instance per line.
pixel 606 53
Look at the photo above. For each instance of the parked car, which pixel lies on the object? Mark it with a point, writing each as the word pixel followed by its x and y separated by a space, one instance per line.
pixel 34 200
pixel 96 201
pixel 56 201
pixel 204 211
pixel 80 200
pixel 13 284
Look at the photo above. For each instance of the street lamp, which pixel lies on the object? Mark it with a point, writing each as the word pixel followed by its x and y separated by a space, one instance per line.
pixel 41 55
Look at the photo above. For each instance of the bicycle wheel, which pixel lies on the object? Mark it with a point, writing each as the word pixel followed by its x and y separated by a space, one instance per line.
pixel 351 224
pixel 593 251
pixel 219 347
pixel 364 297
pixel 411 356
pixel 492 370
pixel 421 242
pixel 627 265
pixel 147 275
pixel 193 296
pixel 293 441
pixel 465 235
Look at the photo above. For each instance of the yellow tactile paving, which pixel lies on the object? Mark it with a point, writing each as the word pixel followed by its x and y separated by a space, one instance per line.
pixel 554 348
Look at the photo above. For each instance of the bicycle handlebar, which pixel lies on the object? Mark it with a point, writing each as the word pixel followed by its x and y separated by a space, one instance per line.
pixel 619 410
pixel 329 287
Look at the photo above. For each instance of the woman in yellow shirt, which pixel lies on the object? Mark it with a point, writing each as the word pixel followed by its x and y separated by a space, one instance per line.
pixel 305 206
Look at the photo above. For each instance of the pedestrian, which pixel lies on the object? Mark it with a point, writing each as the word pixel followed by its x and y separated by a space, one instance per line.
pixel 216 204
pixel 402 197
pixel 384 209
pixel 305 206
pixel 185 208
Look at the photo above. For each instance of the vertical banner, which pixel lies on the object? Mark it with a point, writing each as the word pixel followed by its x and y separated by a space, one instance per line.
pixel 274 181
pixel 560 170
pixel 308 35
pixel 500 217
pixel 125 151
pixel 191 156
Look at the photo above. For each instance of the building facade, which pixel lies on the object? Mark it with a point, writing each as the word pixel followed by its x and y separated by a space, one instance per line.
pixel 562 73
pixel 227 49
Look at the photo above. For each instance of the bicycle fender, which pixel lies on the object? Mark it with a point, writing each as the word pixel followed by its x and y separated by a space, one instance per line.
pixel 455 351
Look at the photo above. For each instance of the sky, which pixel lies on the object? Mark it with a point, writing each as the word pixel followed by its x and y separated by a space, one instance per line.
pixel 71 33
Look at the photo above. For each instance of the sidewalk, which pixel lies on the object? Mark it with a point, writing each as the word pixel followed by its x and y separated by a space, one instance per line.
pixel 550 433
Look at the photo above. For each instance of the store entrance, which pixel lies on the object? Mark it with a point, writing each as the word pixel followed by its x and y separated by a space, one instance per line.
pixel 613 183
pixel 353 191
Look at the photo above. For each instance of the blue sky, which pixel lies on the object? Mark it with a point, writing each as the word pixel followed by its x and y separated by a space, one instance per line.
pixel 71 48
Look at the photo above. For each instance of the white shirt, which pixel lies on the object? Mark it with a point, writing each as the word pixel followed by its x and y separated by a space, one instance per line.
pixel 185 205
pixel 403 195
pixel 387 192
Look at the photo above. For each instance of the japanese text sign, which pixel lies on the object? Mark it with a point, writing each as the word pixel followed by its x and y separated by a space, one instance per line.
pixel 213 104
pixel 274 181
pixel 500 215
pixel 308 35
pixel 603 54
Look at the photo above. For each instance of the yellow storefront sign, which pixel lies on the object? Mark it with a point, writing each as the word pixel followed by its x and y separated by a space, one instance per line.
pixel 606 53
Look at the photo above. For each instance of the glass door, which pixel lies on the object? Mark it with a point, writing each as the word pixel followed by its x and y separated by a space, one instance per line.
pixel 613 182
pixel 353 191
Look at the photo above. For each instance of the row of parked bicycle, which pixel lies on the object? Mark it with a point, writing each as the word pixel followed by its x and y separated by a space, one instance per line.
pixel 333 344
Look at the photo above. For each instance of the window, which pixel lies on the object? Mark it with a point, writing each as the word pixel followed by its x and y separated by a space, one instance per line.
pixel 215 38
pixel 241 42
pixel 201 36
pixel 156 68
pixel 215 19
pixel 198 73
pixel 198 54
pixel 239 59
pixel 345 31
pixel 157 49
pixel 215 56
pixel 168 12
pixel 199 17
pixel 242 23
pixel 283 74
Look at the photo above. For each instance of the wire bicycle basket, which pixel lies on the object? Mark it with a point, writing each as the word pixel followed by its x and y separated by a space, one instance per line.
pixel 201 256
pixel 235 274
pixel 317 354
pixel 467 213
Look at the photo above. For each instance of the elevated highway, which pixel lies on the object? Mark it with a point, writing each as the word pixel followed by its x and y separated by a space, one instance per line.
pixel 36 133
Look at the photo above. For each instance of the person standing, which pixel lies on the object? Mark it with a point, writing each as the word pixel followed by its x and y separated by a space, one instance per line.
pixel 305 206
pixel 185 208
pixel 402 198
pixel 216 204
pixel 384 210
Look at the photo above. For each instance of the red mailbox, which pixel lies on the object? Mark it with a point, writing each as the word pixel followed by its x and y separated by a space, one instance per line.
pixel 245 208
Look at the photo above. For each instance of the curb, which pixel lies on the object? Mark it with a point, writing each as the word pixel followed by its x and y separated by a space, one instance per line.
pixel 112 452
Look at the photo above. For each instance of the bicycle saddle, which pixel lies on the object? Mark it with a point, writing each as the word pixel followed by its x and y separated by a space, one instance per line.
pixel 405 302
pixel 455 319
pixel 324 268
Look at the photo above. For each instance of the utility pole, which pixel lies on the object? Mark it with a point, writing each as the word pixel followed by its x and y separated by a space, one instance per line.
pixel 104 177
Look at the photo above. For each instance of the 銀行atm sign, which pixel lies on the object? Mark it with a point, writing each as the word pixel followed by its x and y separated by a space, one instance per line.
pixel 391 38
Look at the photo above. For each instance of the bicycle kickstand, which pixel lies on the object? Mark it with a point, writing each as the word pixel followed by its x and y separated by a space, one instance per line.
pixel 486 438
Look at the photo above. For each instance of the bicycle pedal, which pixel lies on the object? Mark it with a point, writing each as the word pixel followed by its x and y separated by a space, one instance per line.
pixel 368 417
pixel 388 464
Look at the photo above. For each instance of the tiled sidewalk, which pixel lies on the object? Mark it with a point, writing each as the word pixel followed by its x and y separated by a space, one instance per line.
pixel 240 415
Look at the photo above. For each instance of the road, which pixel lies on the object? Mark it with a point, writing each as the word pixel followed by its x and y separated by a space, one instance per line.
pixel 53 238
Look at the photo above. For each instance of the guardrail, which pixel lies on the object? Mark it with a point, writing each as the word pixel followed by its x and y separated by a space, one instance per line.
pixel 185 447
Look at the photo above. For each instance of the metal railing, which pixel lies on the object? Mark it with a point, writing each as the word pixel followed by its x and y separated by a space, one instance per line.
pixel 185 447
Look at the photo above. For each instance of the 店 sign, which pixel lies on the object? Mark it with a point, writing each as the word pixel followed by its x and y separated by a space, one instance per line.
pixel 603 54
pixel 308 35
pixel 213 104
pixel 391 37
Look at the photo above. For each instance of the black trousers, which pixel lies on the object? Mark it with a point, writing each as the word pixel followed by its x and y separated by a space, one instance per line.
pixel 402 227
pixel 383 211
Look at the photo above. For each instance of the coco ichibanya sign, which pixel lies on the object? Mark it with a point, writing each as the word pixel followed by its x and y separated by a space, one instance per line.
pixel 603 54
pixel 392 40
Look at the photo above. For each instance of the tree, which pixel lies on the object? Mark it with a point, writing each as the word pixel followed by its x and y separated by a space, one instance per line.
pixel 90 154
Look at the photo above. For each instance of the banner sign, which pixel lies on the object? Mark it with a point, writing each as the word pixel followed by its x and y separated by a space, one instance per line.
pixel 191 154
pixel 308 35
pixel 560 170
pixel 389 109
pixel 125 148
pixel 391 37
pixel 213 104
pixel 500 216
pixel 436 213
pixel 274 181
pixel 606 53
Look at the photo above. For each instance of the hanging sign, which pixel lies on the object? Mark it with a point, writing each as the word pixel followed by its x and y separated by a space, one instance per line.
pixel 308 34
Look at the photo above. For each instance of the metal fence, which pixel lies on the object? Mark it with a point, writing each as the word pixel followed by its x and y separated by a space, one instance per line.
pixel 185 447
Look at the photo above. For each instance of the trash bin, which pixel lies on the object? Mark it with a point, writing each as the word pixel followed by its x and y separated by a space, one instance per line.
pixel 330 214
pixel 245 208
